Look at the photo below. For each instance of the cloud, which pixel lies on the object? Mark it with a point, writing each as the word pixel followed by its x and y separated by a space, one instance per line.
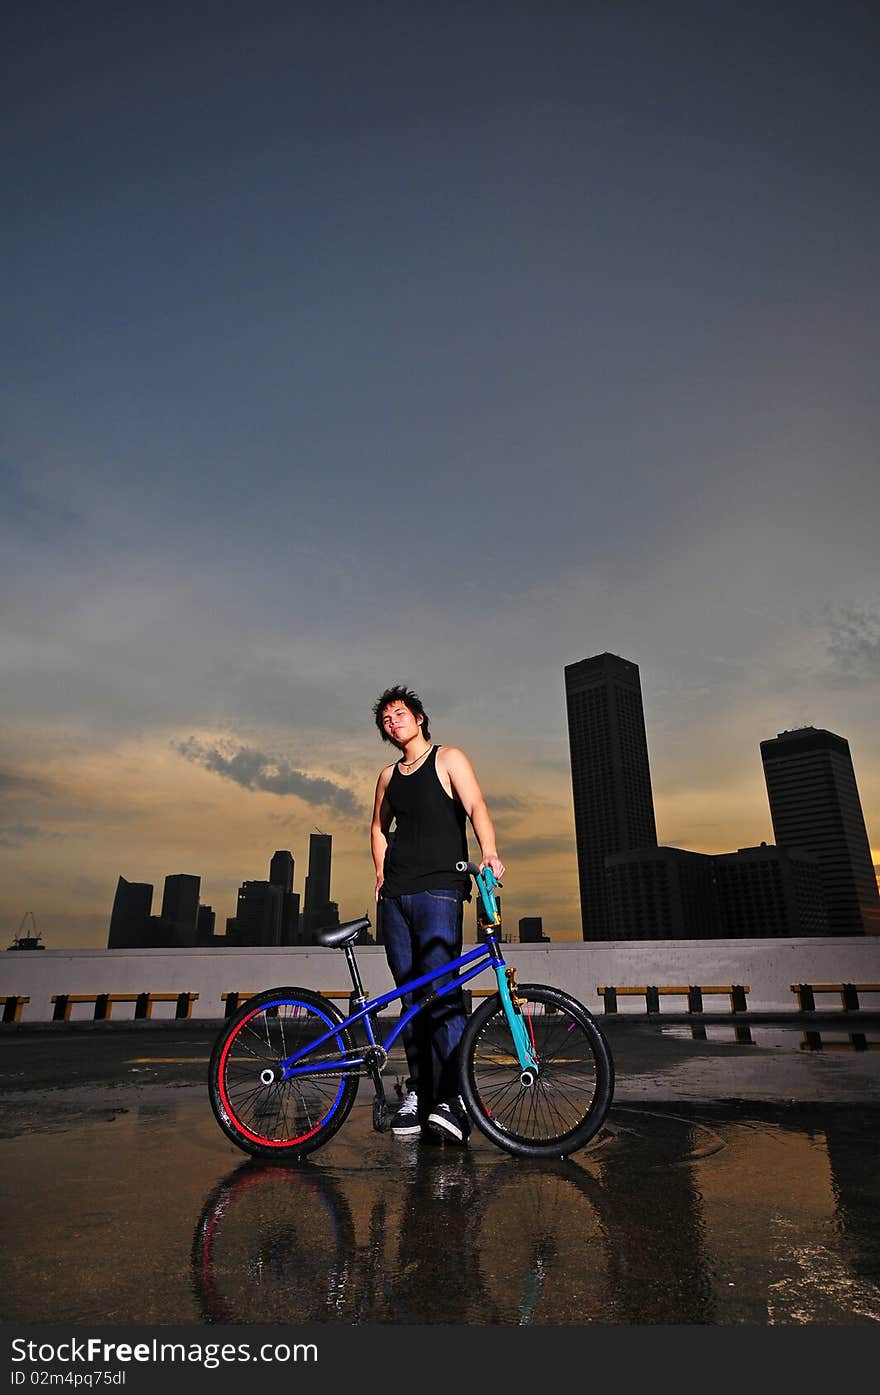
pixel 539 845
pixel 12 835
pixel 12 784
pixel 854 645
pixel 255 770
pixel 508 804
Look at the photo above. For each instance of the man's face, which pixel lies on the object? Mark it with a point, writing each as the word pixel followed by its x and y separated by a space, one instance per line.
pixel 399 723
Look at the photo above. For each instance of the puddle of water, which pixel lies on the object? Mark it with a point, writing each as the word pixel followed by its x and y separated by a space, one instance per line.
pixel 758 1215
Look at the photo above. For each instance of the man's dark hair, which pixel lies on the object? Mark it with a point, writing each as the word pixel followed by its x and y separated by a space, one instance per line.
pixel 409 699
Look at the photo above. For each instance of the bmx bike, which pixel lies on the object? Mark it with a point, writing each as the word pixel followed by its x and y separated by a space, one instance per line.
pixel 536 1075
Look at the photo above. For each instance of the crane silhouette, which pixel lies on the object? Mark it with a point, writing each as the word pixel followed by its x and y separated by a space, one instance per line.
pixel 23 941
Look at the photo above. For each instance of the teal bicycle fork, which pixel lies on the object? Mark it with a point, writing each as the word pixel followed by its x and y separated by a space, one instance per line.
pixel 522 1040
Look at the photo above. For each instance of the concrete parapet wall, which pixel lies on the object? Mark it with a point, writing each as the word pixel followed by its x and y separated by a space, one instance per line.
pixel 769 967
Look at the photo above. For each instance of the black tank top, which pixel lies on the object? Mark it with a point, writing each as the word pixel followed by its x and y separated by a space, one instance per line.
pixel 430 834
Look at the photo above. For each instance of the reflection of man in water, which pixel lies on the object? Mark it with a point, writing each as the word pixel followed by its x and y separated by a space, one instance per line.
pixel 434 1278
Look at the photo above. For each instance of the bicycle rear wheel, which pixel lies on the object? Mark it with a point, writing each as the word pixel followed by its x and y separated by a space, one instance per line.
pixel 283 1118
pixel 565 1105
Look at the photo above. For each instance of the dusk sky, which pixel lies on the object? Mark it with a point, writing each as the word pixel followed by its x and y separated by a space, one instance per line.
pixel 435 343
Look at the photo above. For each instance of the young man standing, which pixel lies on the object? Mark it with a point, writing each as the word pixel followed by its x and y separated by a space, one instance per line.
pixel 429 794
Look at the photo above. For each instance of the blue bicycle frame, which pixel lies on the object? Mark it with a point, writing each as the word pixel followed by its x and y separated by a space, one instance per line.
pixel 471 964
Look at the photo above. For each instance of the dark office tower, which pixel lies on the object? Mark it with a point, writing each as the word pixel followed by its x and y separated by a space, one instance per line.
pixel 610 776
pixel 205 925
pixel 317 892
pixel 258 914
pixel 281 870
pixel 814 804
pixel 290 934
pixel 159 934
pixel 769 891
pixel 180 908
pixel 531 930
pixel 130 916
pixel 660 894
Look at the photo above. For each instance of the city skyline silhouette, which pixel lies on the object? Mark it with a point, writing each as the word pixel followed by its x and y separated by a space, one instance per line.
pixel 630 885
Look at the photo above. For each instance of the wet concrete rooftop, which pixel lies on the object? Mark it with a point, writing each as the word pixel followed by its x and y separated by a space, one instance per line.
pixel 736 1181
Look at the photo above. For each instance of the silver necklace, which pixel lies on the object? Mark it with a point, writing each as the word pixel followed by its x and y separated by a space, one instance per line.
pixel 408 764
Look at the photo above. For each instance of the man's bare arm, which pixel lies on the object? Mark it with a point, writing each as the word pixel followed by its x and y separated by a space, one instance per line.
pixel 466 788
pixel 379 827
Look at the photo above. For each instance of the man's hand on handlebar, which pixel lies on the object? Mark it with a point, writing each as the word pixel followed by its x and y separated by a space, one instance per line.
pixel 496 864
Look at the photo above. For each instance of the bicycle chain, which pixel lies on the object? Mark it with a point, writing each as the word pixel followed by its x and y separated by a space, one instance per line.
pixel 342 1069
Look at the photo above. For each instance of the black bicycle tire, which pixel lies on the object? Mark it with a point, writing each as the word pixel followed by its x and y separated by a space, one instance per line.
pixel 580 1133
pixel 224 1111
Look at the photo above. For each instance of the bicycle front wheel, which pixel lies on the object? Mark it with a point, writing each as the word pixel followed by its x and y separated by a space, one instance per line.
pixel 280 1118
pixel 565 1105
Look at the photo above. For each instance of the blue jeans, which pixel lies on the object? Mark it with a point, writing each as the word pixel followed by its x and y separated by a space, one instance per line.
pixel 422 932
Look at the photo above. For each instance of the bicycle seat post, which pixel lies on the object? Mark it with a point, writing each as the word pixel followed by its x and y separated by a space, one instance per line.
pixel 359 994
pixel 375 1055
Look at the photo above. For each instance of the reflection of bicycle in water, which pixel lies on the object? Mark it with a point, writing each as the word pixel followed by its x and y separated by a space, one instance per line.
pixel 536 1074
pixel 513 1245
pixel 272 1245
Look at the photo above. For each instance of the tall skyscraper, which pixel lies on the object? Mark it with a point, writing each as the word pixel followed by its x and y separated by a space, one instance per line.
pixel 317 906
pixel 814 804
pixel 281 870
pixel 610 776
pixel 180 908
pixel 130 917
pixel 258 917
